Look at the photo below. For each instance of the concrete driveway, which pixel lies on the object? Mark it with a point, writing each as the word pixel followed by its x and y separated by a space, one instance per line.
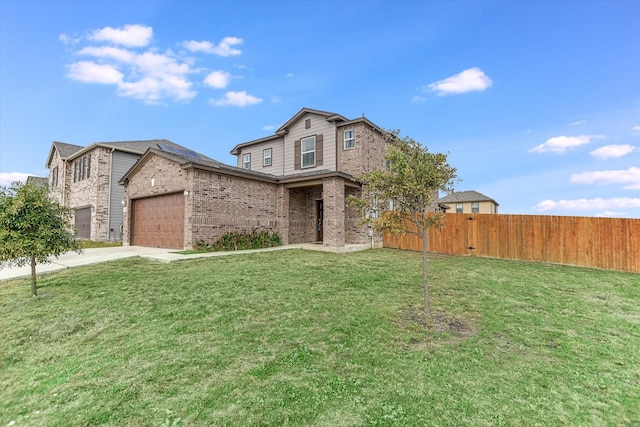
pixel 89 256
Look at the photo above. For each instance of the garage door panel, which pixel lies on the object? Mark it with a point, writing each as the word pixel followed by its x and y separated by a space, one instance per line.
pixel 83 223
pixel 159 221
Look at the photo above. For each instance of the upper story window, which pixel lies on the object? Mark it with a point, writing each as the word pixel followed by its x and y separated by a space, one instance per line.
pixel 82 168
pixel 267 157
pixel 349 139
pixel 54 177
pixel 458 207
pixel 246 161
pixel 308 151
pixel 475 207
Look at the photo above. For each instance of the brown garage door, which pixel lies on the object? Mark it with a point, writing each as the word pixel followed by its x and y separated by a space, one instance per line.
pixel 159 221
pixel 83 223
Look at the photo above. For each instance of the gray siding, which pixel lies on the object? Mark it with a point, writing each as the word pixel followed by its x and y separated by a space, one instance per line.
pixel 120 164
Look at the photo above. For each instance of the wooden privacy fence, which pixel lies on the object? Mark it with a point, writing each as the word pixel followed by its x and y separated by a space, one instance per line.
pixel 609 243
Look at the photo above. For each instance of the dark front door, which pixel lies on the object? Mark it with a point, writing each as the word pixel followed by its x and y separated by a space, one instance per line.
pixel 319 219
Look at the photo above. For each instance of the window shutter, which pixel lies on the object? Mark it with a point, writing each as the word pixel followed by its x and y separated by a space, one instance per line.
pixel 319 147
pixel 297 154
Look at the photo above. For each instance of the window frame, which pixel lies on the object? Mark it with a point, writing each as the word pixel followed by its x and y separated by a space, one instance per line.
pixel 265 157
pixel 352 139
pixel 475 207
pixel 303 152
pixel 246 161
pixel 82 168
pixel 459 207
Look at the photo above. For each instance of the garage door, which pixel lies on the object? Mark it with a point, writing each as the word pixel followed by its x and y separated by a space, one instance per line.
pixel 159 221
pixel 83 223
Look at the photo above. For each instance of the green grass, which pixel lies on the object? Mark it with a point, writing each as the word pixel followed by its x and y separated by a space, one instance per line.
pixel 311 338
pixel 89 244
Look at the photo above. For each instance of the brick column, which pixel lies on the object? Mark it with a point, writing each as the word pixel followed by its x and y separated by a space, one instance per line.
pixel 282 213
pixel 334 221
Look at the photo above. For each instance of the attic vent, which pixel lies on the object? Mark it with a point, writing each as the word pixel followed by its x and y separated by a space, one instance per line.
pixel 181 151
pixel 307 124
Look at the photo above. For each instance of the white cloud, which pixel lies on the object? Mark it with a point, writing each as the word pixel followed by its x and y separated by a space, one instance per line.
pixel 630 178
pixel 236 99
pixel 596 204
pixel 269 127
pixel 613 151
pixel 222 49
pixel 90 72
pixel 578 123
pixel 217 79
pixel 473 79
pixel 129 35
pixel 417 99
pixel 6 178
pixel 149 75
pixel 108 52
pixel 635 130
pixel 289 75
pixel 69 40
pixel 562 144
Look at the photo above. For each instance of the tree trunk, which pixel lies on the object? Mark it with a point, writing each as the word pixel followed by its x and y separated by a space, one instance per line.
pixel 34 287
pixel 425 281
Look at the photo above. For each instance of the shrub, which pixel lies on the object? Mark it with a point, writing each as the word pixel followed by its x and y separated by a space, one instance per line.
pixel 241 240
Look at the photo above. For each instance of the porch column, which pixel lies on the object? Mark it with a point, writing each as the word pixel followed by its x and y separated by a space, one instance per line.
pixel 282 213
pixel 334 221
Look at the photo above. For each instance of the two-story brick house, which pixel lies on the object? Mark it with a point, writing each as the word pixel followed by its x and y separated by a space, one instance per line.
pixel 295 182
pixel 86 179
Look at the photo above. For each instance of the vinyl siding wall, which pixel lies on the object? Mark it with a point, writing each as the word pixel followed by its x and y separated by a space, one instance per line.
pixel 318 126
pixel 256 151
pixel 120 164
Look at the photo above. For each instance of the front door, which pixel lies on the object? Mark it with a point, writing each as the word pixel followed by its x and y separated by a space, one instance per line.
pixel 319 220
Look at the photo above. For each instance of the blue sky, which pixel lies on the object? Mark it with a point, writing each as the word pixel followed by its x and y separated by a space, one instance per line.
pixel 537 102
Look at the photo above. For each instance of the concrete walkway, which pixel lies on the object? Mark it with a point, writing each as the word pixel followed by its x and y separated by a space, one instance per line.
pixel 99 255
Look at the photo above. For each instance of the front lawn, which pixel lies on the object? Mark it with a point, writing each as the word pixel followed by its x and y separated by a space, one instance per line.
pixel 311 338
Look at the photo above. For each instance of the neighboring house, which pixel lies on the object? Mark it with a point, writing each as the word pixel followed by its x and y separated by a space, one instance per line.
pixel 86 179
pixel 468 202
pixel 37 180
pixel 295 182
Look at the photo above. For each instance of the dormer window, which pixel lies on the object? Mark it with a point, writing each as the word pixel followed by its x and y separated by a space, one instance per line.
pixel 349 139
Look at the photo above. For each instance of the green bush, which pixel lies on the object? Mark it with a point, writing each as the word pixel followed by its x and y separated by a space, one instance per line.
pixel 240 240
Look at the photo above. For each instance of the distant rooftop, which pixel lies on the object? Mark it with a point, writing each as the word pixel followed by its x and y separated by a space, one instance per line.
pixel 466 196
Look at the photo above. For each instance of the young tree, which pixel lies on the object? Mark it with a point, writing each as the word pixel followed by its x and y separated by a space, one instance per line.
pixel 32 228
pixel 411 182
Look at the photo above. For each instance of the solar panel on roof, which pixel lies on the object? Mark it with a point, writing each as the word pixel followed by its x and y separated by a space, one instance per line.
pixel 178 150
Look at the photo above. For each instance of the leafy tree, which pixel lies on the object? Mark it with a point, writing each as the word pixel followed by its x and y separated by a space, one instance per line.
pixel 32 228
pixel 410 183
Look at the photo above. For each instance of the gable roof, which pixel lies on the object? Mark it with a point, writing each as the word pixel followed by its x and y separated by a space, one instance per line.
pixel 135 147
pixel 202 162
pixel 284 129
pixel 330 117
pixel 466 196
pixel 64 150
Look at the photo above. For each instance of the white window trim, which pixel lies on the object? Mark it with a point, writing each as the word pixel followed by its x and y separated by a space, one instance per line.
pixel 246 161
pixel 264 157
pixel 352 139
pixel 302 152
